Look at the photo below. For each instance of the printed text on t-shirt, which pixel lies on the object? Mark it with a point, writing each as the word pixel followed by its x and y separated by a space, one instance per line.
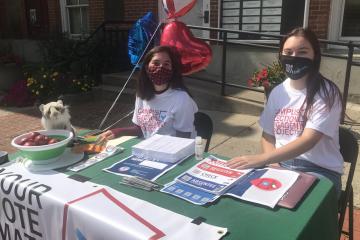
pixel 289 121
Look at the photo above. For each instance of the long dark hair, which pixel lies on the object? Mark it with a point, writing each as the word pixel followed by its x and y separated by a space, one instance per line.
pixel 315 83
pixel 145 88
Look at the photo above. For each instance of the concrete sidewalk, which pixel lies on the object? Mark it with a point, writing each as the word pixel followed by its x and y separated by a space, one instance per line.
pixel 235 132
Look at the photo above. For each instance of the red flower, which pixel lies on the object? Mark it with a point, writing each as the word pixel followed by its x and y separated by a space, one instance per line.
pixel 264 72
pixel 267 77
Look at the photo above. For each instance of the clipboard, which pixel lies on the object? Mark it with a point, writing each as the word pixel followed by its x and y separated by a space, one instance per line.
pixel 297 191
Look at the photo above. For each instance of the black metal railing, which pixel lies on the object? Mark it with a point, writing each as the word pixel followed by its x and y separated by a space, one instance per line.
pixel 224 41
pixel 110 38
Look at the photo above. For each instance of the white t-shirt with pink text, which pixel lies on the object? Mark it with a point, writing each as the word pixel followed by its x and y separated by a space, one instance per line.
pixel 282 118
pixel 166 113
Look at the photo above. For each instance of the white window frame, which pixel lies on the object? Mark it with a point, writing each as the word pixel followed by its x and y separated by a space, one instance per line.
pixel 335 26
pixel 65 22
pixel 305 24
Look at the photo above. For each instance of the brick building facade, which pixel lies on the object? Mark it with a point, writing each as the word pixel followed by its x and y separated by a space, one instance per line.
pixel 318 20
pixel 95 11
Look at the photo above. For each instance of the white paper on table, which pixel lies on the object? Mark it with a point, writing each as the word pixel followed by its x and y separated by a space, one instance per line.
pixel 164 148
pixel 268 197
pixel 117 141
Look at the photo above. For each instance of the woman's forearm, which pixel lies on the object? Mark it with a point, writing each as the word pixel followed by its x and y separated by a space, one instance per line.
pixel 304 143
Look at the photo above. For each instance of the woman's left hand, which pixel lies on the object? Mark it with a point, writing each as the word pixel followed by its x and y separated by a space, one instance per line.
pixel 248 161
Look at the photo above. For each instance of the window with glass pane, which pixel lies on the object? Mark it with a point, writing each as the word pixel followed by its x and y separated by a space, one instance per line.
pixel 77 11
pixel 72 2
pixel 351 19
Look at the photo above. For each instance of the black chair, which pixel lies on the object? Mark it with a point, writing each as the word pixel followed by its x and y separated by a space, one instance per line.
pixel 349 149
pixel 204 127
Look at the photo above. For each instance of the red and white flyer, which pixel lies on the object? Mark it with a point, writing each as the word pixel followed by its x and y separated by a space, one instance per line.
pixel 211 175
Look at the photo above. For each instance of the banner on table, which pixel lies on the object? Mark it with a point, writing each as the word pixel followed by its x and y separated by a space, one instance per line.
pixel 52 206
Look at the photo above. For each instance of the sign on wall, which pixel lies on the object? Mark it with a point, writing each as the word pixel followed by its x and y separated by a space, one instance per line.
pixel 266 16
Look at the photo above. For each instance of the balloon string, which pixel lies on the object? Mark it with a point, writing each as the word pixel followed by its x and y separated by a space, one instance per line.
pixel 130 76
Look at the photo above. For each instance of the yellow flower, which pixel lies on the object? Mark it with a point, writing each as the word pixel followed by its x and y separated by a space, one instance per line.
pixel 44 76
pixel 55 74
pixel 41 86
pixel 74 80
pixel 53 79
pixel 37 92
pixel 78 83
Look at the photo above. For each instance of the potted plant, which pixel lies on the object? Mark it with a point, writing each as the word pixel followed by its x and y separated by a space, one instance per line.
pixel 268 77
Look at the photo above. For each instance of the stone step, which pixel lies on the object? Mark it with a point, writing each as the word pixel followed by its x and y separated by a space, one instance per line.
pixel 119 79
pixel 110 92
pixel 207 96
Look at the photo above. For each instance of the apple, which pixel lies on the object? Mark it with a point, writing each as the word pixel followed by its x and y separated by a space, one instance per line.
pixel 22 140
pixel 29 143
pixel 52 140
pixel 32 135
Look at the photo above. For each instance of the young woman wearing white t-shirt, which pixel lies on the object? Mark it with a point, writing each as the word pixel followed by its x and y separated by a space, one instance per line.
pixel 163 104
pixel 301 118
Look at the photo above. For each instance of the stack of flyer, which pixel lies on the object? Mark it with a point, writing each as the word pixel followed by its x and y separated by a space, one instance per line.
pixel 210 179
pixel 154 157
pixel 164 148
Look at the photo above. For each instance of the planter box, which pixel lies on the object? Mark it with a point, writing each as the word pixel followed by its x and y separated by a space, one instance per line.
pixel 9 74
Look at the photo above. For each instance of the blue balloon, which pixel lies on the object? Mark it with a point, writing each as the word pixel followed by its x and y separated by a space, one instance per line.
pixel 139 36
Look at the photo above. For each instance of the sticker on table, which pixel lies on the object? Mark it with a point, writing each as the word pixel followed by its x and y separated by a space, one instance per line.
pixel 134 166
pixel 268 184
pixel 190 194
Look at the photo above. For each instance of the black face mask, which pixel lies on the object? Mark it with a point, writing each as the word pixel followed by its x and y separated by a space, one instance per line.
pixel 296 67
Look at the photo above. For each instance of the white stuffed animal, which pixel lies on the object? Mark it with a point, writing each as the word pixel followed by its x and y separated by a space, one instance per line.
pixel 55 115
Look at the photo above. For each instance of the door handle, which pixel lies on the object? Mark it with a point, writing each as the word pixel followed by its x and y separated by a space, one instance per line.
pixel 206 16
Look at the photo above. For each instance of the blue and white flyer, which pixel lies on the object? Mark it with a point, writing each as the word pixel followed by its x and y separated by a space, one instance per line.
pixel 211 175
pixel 134 166
pixel 188 193
pixel 264 186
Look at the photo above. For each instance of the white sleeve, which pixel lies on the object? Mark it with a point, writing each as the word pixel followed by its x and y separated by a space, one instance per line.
pixel 185 108
pixel 323 120
pixel 268 116
pixel 134 118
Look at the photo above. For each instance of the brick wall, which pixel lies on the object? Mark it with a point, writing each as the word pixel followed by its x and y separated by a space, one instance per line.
pixel 214 18
pixel 54 16
pixel 319 12
pixel 96 13
pixel 134 9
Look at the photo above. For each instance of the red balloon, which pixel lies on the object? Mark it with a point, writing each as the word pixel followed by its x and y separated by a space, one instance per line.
pixel 177 8
pixel 195 53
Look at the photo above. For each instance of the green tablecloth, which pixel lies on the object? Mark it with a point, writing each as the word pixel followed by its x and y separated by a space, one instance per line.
pixel 314 218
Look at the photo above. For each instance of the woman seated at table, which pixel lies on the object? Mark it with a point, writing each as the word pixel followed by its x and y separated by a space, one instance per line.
pixel 301 118
pixel 163 104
